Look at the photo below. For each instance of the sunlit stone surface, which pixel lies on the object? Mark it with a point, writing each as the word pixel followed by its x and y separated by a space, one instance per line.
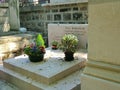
pixel 52 70
pixel 7 86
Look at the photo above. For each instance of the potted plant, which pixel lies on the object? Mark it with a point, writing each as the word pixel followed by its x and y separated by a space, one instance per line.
pixel 54 45
pixel 69 43
pixel 36 49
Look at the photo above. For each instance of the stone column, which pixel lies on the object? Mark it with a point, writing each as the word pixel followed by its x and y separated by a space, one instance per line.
pixel 103 67
pixel 14 14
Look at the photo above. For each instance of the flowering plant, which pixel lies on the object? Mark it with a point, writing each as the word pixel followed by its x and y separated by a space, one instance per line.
pixel 69 43
pixel 35 48
pixel 55 44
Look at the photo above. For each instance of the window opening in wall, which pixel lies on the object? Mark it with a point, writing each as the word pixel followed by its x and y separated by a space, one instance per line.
pixel 66 16
pixel 41 24
pixel 47 10
pixel 83 8
pixel 28 18
pixel 41 11
pixel 33 17
pixel 62 22
pixel 41 17
pixel 57 17
pixel 49 17
pixel 65 9
pixel 46 24
pixel 75 9
pixel 85 16
pixel 77 16
pixel 55 10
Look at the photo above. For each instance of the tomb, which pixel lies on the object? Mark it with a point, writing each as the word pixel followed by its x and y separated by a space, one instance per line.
pixel 53 73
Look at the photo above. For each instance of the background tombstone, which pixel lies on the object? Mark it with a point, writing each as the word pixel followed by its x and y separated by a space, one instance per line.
pixel 14 14
pixel 57 31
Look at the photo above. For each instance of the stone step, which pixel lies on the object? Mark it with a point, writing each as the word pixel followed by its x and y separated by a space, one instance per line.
pixel 71 82
pixel 49 71
pixel 4 85
pixel 19 80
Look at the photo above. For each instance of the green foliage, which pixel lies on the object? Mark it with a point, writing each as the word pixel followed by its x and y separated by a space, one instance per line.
pixel 36 48
pixel 69 43
pixel 39 40
pixel 55 43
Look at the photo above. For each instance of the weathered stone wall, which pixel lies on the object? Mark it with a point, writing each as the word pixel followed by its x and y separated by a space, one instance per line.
pixel 14 14
pixel 11 45
pixel 4 17
pixel 9 16
pixel 37 18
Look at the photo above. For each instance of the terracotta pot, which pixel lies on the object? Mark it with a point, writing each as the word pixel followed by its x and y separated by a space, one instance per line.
pixel 36 58
pixel 54 47
pixel 69 56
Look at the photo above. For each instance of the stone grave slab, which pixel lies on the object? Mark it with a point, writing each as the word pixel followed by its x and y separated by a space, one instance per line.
pixel 71 82
pixel 52 69
pixel 57 31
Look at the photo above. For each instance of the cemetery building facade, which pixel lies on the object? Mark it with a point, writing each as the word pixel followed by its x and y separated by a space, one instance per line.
pixel 38 15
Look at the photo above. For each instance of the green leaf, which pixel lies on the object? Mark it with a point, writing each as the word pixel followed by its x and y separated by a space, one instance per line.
pixel 39 40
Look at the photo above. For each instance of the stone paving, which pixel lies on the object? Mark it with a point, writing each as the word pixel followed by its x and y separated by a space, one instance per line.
pixel 7 86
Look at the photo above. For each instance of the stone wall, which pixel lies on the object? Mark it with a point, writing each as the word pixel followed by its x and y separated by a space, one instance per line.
pixel 4 17
pixel 14 14
pixel 11 44
pixel 9 16
pixel 37 18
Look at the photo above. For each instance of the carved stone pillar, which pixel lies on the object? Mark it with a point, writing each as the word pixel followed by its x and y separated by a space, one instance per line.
pixel 103 68
pixel 14 14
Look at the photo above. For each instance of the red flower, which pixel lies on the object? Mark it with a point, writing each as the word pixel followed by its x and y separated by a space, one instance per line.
pixel 42 49
pixel 31 45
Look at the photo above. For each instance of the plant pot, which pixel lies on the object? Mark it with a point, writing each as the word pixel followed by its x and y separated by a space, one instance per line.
pixel 69 56
pixel 54 47
pixel 34 58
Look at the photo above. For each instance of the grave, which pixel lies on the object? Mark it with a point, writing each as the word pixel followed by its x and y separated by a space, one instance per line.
pixel 57 31
pixel 53 73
